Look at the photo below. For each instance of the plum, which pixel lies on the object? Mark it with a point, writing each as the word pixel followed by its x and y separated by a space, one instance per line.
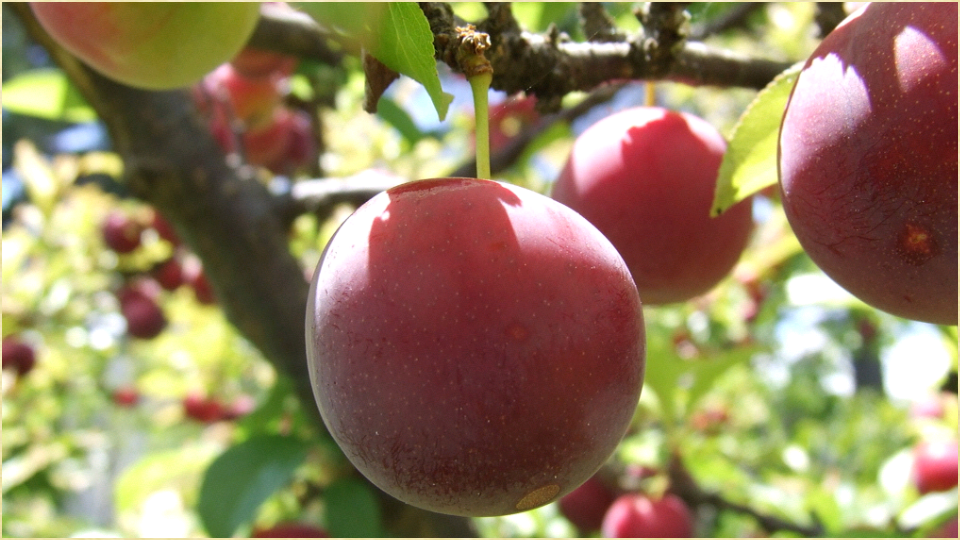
pixel 18 355
pixel 151 45
pixel 637 515
pixel 935 465
pixel 121 232
pixel 586 505
pixel 868 158
pixel 475 348
pixel 646 177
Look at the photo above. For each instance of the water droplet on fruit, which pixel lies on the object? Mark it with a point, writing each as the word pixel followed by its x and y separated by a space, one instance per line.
pixel 538 497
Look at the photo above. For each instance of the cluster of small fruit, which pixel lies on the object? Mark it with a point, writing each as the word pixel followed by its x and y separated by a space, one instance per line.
pixel 139 299
pixel 199 407
pixel 138 296
pixel 243 100
pixel 598 505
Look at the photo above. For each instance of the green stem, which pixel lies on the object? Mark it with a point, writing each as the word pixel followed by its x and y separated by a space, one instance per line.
pixel 480 85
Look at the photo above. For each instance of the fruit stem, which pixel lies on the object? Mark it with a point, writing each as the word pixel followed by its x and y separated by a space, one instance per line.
pixel 480 84
pixel 479 74
pixel 650 97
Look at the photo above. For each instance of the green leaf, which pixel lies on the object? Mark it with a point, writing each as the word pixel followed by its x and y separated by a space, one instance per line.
pixel 352 510
pixel 395 33
pixel 46 93
pixel 663 371
pixel 243 477
pixel 706 372
pixel 396 116
pixel 750 162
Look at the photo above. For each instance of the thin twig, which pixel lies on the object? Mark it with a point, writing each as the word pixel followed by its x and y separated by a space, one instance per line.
pixel 685 486
pixel 597 24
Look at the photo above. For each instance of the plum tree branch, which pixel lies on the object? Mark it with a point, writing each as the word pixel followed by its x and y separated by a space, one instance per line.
pixel 229 219
pixel 548 65
pixel 222 213
pixel 686 487
pixel 551 66
pixel 285 30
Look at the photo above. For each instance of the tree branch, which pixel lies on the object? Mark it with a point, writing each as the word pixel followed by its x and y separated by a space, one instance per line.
pixel 550 66
pixel 685 487
pixel 597 24
pixel 285 30
pixel 228 218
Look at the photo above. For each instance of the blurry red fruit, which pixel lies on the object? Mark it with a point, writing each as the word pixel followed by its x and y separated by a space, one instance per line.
pixel 203 409
pixel 126 396
pixel 253 63
pixel 935 466
pixel 635 515
pixel 164 229
pixel 145 319
pixel 18 356
pixel 121 233
pixel 586 505
pixel 169 274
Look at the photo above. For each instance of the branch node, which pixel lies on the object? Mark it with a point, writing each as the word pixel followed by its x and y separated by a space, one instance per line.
pixel 472 45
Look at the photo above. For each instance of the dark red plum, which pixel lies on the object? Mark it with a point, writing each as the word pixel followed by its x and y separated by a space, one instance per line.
pixel 475 348
pixel 868 158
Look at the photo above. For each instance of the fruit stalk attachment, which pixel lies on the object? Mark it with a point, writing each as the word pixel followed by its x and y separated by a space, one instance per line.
pixel 479 74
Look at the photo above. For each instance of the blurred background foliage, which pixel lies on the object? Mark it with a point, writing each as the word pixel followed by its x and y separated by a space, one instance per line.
pixel 781 391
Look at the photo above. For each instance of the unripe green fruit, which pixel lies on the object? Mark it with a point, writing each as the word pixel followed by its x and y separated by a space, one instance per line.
pixel 151 45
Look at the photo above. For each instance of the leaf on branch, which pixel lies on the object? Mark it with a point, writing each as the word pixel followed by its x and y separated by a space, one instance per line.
pixel 243 477
pixel 48 94
pixel 352 509
pixel 395 33
pixel 750 162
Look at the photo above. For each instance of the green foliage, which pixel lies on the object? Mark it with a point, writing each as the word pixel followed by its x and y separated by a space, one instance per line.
pixel 750 163
pixel 46 93
pixel 244 476
pixel 352 510
pixel 395 33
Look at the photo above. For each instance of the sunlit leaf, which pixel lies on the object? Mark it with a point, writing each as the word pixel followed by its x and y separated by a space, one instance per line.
pixel 395 33
pixel 170 469
pixel 750 162
pixel 48 94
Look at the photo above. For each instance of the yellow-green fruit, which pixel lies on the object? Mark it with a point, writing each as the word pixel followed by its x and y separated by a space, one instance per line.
pixel 151 45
